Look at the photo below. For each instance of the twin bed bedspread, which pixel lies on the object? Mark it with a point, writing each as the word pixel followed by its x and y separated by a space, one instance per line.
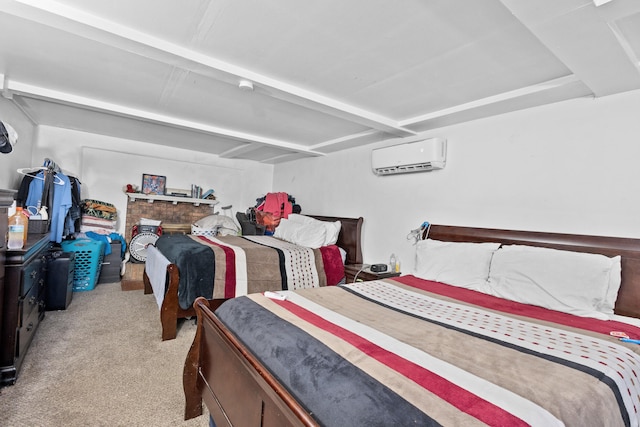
pixel 229 266
pixel 407 351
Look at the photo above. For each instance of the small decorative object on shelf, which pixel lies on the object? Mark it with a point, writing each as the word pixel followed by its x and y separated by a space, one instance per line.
pixel 153 184
pixel 177 192
pixel 209 194
pixel 130 188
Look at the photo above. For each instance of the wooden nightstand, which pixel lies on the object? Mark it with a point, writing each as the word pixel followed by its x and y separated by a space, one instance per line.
pixel 350 271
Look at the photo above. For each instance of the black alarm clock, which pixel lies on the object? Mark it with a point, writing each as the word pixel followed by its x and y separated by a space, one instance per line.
pixel 378 268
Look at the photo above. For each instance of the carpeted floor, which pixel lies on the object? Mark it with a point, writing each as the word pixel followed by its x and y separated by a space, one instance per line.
pixel 101 362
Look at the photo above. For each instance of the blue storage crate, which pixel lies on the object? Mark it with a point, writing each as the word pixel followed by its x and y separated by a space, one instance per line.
pixel 89 255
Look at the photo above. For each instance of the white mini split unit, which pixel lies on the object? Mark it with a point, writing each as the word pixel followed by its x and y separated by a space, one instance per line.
pixel 418 156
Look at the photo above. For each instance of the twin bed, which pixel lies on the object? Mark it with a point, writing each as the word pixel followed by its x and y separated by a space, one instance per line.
pixel 182 267
pixel 416 351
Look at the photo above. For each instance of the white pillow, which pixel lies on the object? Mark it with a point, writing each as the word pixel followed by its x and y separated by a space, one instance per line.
pixel 332 228
pixel 308 235
pixel 224 224
pixel 572 282
pixel 461 264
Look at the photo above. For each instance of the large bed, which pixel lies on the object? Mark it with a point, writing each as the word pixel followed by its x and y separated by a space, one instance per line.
pixel 412 351
pixel 223 267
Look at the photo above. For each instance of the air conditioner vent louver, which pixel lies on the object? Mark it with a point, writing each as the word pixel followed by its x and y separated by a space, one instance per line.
pixel 405 169
pixel 419 156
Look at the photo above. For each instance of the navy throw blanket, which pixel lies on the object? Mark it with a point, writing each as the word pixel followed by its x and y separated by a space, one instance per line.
pixel 196 264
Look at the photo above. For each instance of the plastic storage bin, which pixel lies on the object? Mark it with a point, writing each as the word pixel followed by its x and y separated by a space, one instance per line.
pixel 196 230
pixel 39 226
pixel 110 270
pixel 88 261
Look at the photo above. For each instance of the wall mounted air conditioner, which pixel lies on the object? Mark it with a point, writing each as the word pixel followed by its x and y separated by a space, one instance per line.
pixel 419 156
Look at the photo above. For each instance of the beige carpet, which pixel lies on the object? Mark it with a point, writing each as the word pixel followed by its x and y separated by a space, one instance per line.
pixel 101 362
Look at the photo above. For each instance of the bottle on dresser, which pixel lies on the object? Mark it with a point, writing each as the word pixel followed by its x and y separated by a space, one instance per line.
pixel 394 264
pixel 17 230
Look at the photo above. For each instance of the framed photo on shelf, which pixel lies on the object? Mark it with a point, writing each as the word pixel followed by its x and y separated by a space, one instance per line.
pixel 153 184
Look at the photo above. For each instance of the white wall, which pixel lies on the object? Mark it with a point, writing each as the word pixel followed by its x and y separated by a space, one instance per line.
pixel 568 167
pixel 105 165
pixel 21 155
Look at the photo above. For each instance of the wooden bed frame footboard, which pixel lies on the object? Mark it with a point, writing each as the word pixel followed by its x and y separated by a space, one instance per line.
pixel 171 312
pixel 233 384
pixel 349 239
pixel 236 388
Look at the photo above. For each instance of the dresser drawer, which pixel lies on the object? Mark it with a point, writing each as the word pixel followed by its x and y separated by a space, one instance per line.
pixel 27 304
pixel 25 333
pixel 31 275
pixel 3 228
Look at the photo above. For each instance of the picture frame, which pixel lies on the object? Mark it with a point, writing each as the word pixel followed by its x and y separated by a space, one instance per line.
pixel 153 184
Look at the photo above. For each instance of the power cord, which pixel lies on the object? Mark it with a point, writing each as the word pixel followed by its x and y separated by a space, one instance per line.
pixel 364 266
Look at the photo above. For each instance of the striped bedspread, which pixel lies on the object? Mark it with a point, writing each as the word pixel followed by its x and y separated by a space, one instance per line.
pixel 407 351
pixel 231 266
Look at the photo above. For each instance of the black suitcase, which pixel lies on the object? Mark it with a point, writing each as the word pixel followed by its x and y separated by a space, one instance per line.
pixel 59 284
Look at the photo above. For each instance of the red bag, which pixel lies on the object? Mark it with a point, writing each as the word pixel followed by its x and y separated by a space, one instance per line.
pixel 268 220
pixel 275 207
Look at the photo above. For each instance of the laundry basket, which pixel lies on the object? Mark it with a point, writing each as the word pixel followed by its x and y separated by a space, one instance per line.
pixel 88 261
pixel 196 230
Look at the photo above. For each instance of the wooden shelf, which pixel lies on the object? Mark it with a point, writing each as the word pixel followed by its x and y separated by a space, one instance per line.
pixel 150 198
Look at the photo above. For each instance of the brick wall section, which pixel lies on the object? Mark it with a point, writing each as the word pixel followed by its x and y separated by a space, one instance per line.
pixel 165 211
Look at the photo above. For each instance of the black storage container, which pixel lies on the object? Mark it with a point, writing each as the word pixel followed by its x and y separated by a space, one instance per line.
pixel 110 271
pixel 59 284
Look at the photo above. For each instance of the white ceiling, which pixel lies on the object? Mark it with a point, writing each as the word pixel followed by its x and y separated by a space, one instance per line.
pixel 327 74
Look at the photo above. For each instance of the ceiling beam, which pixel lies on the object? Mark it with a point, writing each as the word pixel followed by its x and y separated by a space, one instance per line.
pixel 351 141
pixel 595 56
pixel 283 158
pixel 557 85
pixel 239 150
pixel 35 92
pixel 77 22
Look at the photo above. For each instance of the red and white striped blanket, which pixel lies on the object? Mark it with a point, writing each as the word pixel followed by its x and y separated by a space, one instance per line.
pixel 407 351
pixel 230 266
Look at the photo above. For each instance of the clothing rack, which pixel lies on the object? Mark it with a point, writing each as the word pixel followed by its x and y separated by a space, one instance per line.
pixel 50 170
pixel 52 187
pixel 32 172
pixel 49 167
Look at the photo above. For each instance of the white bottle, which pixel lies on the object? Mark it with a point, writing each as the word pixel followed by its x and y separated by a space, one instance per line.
pixel 392 263
pixel 44 215
pixel 35 216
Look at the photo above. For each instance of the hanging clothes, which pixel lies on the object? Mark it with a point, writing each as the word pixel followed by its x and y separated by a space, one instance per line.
pixel 23 192
pixel 74 216
pixel 52 189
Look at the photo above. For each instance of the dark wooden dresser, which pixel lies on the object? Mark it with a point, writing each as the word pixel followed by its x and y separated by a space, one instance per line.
pixel 23 303
pixel 6 199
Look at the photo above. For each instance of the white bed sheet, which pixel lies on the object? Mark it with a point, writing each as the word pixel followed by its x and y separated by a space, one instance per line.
pixel 156 269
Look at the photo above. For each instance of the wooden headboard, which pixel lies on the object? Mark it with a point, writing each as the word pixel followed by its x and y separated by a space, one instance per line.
pixel 628 302
pixel 350 237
